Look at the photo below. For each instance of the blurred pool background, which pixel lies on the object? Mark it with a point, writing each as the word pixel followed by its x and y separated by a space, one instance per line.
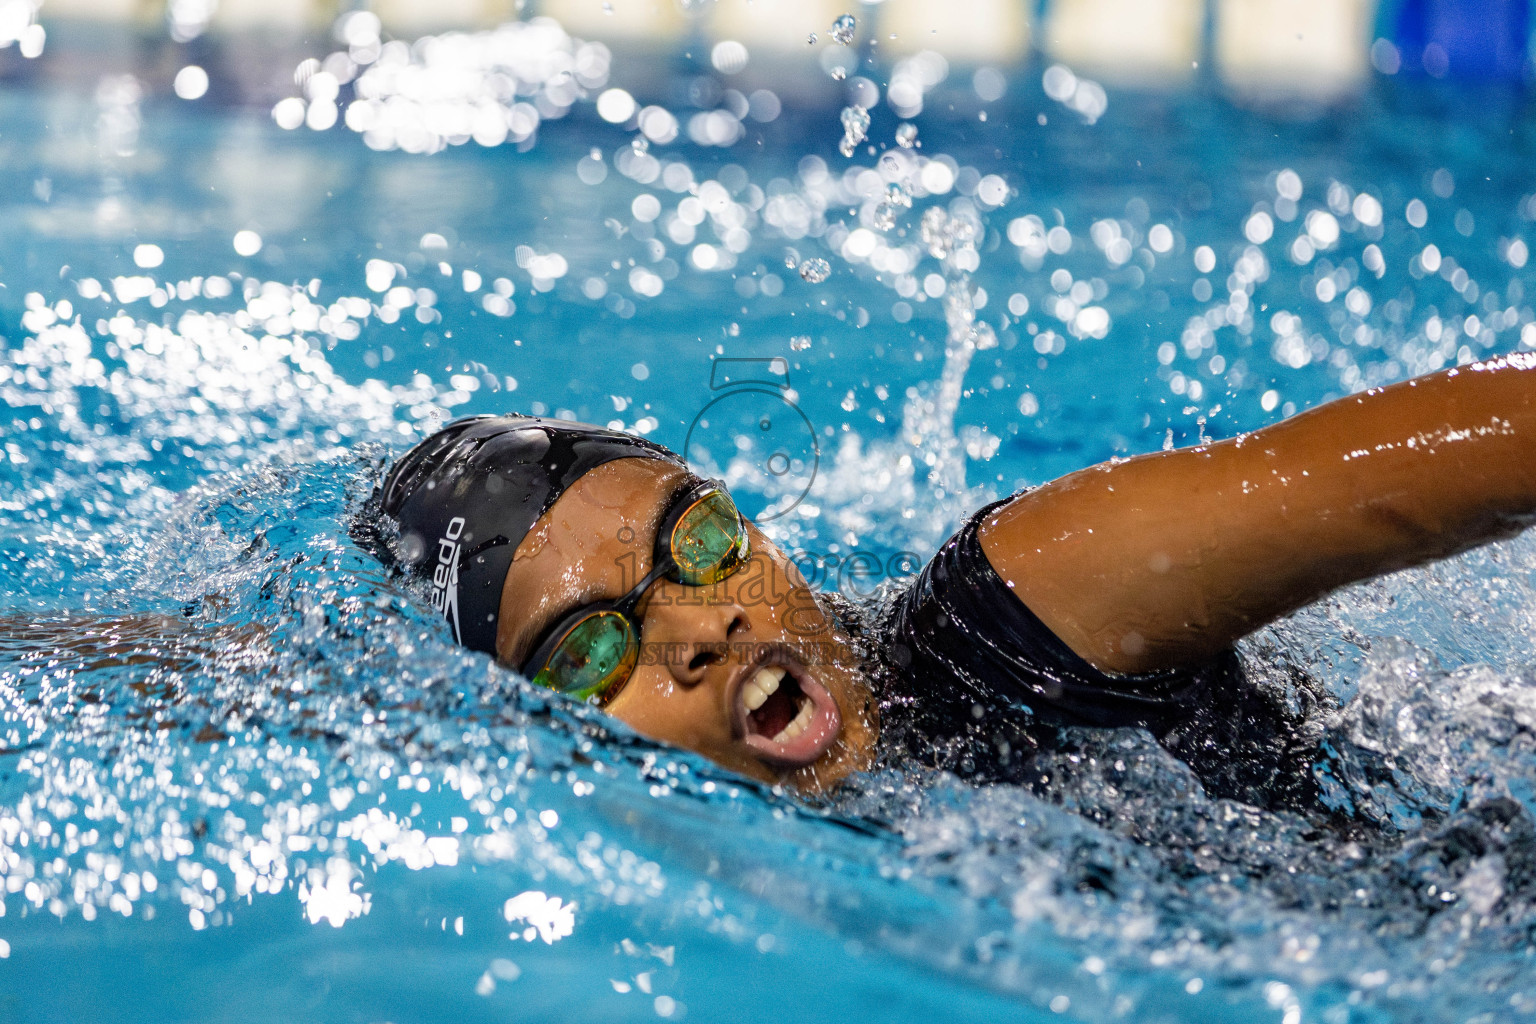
pixel 250 250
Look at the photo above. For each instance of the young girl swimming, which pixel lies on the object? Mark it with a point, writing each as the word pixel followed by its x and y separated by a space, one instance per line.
pixel 597 565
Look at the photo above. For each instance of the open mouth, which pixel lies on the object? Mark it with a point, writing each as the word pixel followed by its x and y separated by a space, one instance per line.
pixel 788 718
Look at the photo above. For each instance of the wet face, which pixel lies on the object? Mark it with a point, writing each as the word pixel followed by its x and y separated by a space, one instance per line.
pixel 748 672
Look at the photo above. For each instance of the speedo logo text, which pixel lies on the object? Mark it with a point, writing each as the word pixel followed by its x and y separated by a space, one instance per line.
pixel 445 576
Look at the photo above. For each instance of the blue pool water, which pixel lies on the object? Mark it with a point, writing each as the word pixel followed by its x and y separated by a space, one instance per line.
pixel 347 818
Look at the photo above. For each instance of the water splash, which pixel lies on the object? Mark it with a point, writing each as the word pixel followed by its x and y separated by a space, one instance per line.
pixel 855 121
pixel 1117 889
pixel 928 422
pixel 815 270
pixel 490 87
pixel 19 25
pixel 842 30
pixel 1082 95
pixel 896 198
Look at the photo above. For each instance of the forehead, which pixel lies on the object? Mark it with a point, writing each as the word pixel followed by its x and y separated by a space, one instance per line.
pixel 575 551
pixel 603 503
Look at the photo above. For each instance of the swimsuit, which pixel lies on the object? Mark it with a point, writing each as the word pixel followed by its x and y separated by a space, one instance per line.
pixel 970 680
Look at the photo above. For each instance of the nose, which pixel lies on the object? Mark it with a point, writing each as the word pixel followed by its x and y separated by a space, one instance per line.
pixel 693 627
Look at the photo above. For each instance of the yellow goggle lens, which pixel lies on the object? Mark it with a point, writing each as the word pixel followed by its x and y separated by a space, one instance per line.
pixel 709 541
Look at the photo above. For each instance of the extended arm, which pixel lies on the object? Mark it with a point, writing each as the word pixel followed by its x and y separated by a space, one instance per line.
pixel 1164 560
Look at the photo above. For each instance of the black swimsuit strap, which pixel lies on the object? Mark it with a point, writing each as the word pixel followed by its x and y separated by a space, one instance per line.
pixel 960 622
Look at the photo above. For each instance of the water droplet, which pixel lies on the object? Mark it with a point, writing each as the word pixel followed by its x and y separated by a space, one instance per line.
pixel 815 270
pixel 838 73
pixel 799 343
pixel 906 135
pixel 896 198
pixel 842 29
pixel 983 337
pixel 810 40
pixel 640 144
pixel 855 128
pixel 935 234
pixel 962 232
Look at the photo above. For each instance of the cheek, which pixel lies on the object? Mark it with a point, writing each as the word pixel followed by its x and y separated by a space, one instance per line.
pixel 803 618
pixel 654 705
pixel 776 598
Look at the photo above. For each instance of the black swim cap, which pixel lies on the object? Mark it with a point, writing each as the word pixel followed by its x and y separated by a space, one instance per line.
pixel 466 496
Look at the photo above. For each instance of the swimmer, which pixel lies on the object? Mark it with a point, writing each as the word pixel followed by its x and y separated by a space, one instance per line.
pixel 596 564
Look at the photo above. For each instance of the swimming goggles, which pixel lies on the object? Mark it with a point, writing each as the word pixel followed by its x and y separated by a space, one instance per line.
pixel 590 653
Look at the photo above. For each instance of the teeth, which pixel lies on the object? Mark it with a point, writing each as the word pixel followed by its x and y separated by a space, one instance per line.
pixel 801 721
pixel 761 686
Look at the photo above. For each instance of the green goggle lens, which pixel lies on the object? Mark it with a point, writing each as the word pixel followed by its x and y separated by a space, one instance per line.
pixel 708 542
pixel 593 659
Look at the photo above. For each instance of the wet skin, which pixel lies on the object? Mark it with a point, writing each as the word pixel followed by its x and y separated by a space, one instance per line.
pixel 700 645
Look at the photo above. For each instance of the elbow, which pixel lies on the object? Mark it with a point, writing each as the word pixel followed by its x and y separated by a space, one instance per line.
pixel 1416 534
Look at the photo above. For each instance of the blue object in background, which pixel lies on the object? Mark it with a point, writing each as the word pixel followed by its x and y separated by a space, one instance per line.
pixel 1468 39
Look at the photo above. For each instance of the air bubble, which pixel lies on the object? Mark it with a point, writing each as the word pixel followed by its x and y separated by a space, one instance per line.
pixel 842 30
